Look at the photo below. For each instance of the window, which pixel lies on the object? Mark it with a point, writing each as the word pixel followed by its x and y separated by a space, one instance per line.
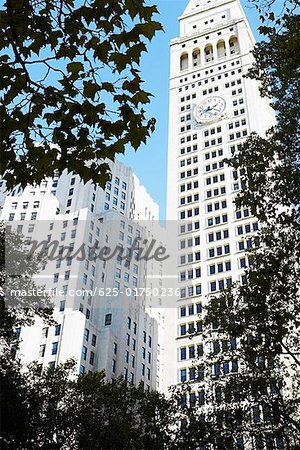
pixel 216 369
pixel 192 373
pixel 243 263
pixel 57 330
pixel 234 367
pixel 183 353
pixel 192 351
pixel 92 358
pixel 94 339
pixel 42 351
pixel 183 311
pixel 84 352
pixel 54 348
pixel 18 332
pixel 233 343
pixel 45 332
pixel 67 275
pixel 213 286
pixel 226 367
pixel 108 319
pixel 183 375
pixel 201 398
pixel 86 334
pixel 133 344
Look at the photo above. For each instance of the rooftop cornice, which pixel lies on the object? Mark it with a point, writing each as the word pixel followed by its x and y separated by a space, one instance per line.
pixel 214 29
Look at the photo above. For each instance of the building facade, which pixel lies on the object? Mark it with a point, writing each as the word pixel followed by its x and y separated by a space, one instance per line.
pixel 213 109
pixel 124 193
pixel 103 318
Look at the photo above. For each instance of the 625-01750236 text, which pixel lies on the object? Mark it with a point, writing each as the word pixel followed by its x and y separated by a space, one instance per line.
pixel 138 292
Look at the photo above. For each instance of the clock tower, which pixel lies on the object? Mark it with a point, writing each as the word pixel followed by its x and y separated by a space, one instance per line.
pixel 213 108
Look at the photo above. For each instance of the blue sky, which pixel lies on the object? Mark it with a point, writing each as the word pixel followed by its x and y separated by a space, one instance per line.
pixel 150 161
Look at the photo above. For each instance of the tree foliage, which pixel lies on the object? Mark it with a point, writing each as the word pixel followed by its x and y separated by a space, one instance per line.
pixel 71 92
pixel 16 312
pixel 55 409
pixel 118 415
pixel 273 12
pixel 16 272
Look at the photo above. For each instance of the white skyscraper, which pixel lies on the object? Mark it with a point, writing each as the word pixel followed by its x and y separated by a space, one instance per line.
pixel 99 320
pixel 212 111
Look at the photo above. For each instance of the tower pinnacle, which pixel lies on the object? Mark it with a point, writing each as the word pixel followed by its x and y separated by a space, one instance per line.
pixel 197 5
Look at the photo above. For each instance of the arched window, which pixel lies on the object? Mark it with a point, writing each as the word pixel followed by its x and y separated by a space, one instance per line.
pixel 221 50
pixel 234 45
pixel 208 51
pixel 196 57
pixel 184 61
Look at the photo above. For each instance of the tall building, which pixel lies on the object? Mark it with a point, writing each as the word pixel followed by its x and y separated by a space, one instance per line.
pixel 124 193
pixel 100 321
pixel 213 109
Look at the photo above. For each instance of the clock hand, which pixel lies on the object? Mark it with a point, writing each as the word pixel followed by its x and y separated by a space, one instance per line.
pixel 212 109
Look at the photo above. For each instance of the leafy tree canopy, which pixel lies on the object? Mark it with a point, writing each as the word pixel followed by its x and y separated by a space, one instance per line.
pixel 55 409
pixel 71 93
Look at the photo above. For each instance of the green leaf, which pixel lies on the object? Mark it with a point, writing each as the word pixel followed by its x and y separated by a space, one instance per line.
pixel 75 67
pixel 90 89
pixel 109 87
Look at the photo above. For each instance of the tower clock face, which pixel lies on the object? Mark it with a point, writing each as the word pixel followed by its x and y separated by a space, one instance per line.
pixel 210 109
